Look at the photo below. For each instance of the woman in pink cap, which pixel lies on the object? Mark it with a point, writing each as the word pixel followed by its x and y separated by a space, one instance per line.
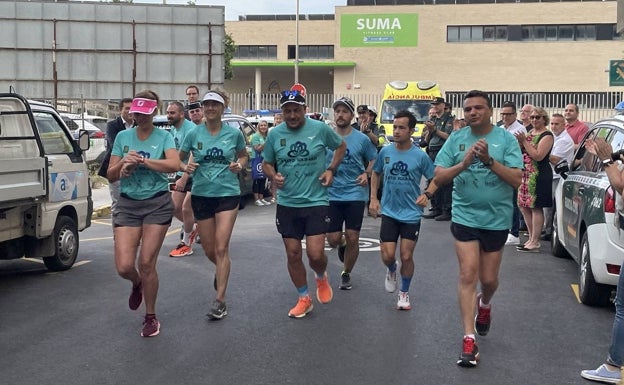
pixel 140 158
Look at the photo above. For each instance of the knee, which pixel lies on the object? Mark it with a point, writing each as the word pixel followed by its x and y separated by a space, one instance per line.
pixel 468 276
pixel 147 268
pixel 125 270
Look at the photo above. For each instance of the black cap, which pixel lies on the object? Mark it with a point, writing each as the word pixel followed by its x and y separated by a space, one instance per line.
pixel 437 100
pixel 345 102
pixel 292 97
pixel 362 108
pixel 193 106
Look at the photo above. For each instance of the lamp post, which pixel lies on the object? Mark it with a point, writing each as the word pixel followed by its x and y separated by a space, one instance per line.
pixel 297 44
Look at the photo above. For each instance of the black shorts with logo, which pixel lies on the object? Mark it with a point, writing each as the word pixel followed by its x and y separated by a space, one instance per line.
pixel 296 222
pixel 489 240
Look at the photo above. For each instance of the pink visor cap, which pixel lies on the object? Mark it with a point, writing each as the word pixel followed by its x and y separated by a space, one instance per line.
pixel 143 106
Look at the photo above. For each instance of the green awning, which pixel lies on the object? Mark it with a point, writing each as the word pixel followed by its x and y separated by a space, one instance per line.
pixel 266 63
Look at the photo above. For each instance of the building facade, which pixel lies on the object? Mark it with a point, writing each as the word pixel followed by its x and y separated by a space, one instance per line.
pixel 518 47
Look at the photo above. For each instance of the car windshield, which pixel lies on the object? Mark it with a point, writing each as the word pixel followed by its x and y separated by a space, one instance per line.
pixel 419 108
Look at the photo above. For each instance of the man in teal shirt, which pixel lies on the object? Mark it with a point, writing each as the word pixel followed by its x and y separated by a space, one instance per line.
pixel 485 164
pixel 298 149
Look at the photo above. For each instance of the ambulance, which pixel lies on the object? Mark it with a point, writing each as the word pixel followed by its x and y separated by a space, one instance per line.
pixel 414 96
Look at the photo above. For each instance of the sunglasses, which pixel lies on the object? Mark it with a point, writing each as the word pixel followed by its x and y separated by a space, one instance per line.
pixel 535 117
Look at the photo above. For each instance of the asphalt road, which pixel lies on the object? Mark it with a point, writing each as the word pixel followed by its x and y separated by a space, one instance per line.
pixel 74 327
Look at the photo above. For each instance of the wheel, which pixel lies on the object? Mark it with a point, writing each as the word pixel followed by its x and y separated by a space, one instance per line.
pixel 556 248
pixel 590 292
pixel 65 245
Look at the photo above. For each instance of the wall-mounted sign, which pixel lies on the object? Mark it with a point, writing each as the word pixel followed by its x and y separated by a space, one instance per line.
pixel 616 73
pixel 379 30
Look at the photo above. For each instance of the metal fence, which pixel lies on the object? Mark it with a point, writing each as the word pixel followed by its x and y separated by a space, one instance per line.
pixel 593 106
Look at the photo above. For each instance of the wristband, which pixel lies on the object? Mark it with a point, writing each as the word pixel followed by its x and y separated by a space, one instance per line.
pixel 332 169
pixel 428 195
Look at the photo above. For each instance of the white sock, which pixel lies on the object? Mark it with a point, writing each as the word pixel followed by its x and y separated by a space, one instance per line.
pixel 481 304
pixel 185 238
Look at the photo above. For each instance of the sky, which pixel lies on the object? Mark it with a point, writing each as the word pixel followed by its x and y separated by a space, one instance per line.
pixel 235 8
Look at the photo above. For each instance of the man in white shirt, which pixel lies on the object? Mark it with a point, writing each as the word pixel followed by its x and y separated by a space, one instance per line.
pixel 510 122
pixel 563 148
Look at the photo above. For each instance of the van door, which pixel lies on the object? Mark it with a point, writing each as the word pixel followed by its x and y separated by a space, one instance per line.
pixel 68 177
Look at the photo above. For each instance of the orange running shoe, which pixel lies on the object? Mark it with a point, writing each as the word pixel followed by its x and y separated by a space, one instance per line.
pixel 303 307
pixel 181 250
pixel 324 292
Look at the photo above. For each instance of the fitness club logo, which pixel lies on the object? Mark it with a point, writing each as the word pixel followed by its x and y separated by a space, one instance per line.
pixel 399 169
pixel 298 149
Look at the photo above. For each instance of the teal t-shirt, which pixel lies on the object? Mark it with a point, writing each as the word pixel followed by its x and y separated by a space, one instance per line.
pixel 214 153
pixel 402 174
pixel 256 139
pixel 143 183
pixel 300 157
pixel 360 151
pixel 480 198
pixel 179 133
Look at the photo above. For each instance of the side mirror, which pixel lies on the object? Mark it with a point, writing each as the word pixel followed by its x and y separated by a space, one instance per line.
pixel 562 168
pixel 83 140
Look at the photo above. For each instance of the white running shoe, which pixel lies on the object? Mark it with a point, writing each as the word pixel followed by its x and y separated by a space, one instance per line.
pixel 391 281
pixel 266 202
pixel 512 240
pixel 259 203
pixel 403 303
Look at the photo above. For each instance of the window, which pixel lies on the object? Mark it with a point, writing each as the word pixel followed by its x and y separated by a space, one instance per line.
pixel 476 33
pixel 549 32
pixel 312 52
pixel 255 52
pixel 53 137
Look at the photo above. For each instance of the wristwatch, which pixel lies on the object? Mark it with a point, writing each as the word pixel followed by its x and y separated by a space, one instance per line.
pixel 333 170
pixel 428 195
pixel 607 162
pixel 489 163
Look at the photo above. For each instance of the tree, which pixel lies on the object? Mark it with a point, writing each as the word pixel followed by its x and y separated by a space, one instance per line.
pixel 229 48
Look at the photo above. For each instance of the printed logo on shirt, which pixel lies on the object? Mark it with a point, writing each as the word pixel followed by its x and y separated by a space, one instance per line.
pixel 126 149
pixel 200 146
pixel 462 147
pixel 298 149
pixel 399 168
pixel 215 154
pixel 144 154
pixel 387 160
pixel 347 156
pixel 282 142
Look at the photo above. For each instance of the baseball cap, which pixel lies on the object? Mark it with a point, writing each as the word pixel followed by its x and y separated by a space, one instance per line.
pixel 437 100
pixel 345 102
pixel 362 108
pixel 193 106
pixel 292 97
pixel 211 95
pixel 143 106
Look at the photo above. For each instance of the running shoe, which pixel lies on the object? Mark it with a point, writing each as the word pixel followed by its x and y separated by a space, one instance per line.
pixel 324 292
pixel 193 235
pixel 303 307
pixel 391 281
pixel 136 297
pixel 266 202
pixel 602 374
pixel 151 326
pixel 483 317
pixel 218 310
pixel 341 249
pixel 345 281
pixel 469 356
pixel 181 250
pixel 403 303
pixel 259 203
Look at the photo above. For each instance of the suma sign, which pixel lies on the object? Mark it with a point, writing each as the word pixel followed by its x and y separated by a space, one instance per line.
pixel 379 30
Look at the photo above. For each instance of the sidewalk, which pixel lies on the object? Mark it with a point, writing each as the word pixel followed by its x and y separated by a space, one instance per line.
pixel 101 202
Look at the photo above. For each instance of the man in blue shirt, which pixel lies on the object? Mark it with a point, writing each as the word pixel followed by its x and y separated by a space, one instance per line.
pixel 485 165
pixel 349 191
pixel 298 149
pixel 402 166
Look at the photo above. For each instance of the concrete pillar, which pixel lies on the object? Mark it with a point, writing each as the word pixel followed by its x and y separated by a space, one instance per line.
pixel 258 87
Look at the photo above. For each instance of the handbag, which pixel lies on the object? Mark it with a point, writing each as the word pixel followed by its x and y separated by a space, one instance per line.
pixel 256 167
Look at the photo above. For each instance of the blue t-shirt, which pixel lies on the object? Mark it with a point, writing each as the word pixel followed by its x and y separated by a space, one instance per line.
pixel 360 151
pixel 214 153
pixel 143 183
pixel 480 198
pixel 300 157
pixel 402 173
pixel 179 134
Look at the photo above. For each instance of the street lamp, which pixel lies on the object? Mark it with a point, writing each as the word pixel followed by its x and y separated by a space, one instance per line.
pixel 297 44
